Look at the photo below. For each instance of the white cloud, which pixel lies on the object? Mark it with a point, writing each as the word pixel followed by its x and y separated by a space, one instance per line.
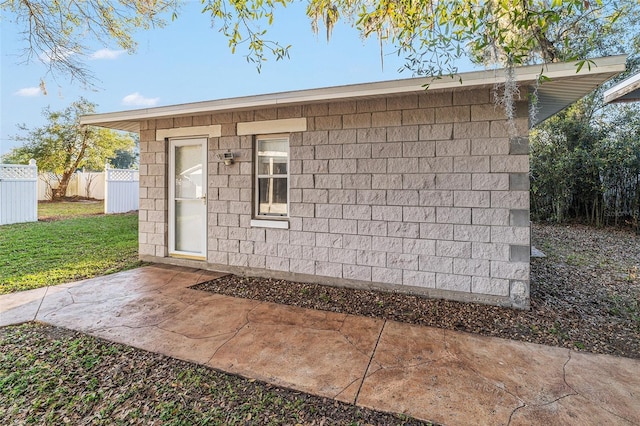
pixel 29 92
pixel 106 54
pixel 136 99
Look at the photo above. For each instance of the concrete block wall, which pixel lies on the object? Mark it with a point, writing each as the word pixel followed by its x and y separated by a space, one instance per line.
pixel 422 193
pixel 153 206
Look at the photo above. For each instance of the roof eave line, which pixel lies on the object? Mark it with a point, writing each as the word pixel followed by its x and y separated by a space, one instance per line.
pixel 523 75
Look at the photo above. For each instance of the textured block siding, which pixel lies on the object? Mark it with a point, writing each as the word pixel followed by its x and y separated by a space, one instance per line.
pixel 421 193
pixel 152 230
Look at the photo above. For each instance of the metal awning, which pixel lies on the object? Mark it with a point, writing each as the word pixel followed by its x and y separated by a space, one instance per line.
pixel 564 87
pixel 626 91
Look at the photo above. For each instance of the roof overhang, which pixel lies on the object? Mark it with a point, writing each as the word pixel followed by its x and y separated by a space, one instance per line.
pixel 626 91
pixel 564 86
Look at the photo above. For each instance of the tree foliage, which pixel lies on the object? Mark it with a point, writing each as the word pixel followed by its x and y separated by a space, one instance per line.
pixel 63 146
pixel 431 34
pixel 585 161
pixel 585 164
pixel 59 34
pixel 434 35
pixel 127 158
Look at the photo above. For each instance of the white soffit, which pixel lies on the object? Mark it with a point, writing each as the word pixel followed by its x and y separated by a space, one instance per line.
pixel 559 93
pixel 565 87
pixel 626 91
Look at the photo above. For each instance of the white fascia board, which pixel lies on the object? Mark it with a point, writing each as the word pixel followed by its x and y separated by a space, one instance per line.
pixel 527 74
pixel 626 90
pixel 605 65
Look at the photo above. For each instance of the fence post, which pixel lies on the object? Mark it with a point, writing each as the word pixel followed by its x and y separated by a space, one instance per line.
pixel 34 203
pixel 106 187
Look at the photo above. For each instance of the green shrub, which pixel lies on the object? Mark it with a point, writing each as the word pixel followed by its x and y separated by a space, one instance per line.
pixel 585 165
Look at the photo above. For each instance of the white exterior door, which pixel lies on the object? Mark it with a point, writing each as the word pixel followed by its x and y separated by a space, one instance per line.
pixel 188 198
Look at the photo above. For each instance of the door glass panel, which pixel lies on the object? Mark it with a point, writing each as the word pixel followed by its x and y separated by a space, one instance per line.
pixel 189 182
pixel 188 226
pixel 189 204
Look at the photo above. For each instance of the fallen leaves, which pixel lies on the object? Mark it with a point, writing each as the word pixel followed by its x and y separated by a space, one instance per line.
pixel 45 379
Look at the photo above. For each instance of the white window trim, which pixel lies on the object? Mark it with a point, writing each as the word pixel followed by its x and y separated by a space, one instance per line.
pixel 212 131
pixel 267 127
pixel 265 220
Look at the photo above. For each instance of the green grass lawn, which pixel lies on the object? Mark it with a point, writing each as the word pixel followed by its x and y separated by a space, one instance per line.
pixel 43 253
pixel 65 209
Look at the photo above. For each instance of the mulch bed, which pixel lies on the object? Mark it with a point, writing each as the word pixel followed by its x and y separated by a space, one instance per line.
pixel 585 295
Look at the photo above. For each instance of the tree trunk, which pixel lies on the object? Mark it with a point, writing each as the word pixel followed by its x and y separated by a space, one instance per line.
pixel 66 175
pixel 549 51
pixel 61 190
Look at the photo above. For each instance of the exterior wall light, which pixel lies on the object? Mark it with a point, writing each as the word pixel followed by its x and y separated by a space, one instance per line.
pixel 227 157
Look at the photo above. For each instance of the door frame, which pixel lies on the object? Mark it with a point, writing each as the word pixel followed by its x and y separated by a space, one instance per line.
pixel 173 143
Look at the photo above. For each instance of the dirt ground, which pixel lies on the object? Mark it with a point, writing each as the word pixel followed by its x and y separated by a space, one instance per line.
pixel 585 295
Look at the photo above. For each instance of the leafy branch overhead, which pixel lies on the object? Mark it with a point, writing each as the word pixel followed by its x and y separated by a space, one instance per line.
pixel 432 35
pixel 240 23
pixel 59 34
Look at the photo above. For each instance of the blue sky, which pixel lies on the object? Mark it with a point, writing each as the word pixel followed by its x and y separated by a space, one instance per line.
pixel 188 61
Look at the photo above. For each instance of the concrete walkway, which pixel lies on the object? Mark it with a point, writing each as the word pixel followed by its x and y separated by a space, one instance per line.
pixel 440 375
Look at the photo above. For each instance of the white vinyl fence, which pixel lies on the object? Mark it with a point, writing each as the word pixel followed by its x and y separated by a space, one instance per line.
pixel 18 193
pixel 82 184
pixel 121 190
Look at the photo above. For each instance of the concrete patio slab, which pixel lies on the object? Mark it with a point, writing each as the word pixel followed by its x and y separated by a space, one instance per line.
pixel 414 372
pixel 175 345
pixel 21 307
pixel 522 369
pixel 24 306
pixel 571 410
pixel 444 376
pixel 609 384
pixel 323 353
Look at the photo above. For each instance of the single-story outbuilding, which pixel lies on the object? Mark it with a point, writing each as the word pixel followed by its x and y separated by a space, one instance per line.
pixel 377 185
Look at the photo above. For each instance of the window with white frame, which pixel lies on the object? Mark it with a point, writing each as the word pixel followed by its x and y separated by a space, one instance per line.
pixel 272 176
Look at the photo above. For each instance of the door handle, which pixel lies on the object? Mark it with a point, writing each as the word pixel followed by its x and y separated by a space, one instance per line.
pixel 204 197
